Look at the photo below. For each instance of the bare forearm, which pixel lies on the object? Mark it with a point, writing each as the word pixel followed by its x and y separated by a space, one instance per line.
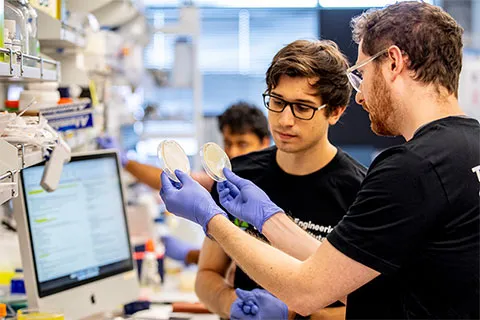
pixel 285 235
pixel 215 293
pixel 150 175
pixel 144 173
pixel 295 282
pixel 261 262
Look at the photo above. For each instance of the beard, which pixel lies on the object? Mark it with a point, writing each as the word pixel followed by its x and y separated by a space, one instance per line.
pixel 381 109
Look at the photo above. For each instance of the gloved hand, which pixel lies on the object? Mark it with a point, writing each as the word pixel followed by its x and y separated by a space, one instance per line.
pixel 245 200
pixel 257 304
pixel 109 142
pixel 176 249
pixel 189 200
pixel 241 309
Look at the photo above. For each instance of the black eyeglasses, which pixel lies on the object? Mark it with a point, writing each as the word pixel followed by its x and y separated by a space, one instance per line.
pixel 299 110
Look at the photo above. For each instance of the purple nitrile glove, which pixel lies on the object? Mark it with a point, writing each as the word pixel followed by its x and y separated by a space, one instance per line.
pixel 257 304
pixel 243 199
pixel 176 249
pixel 242 309
pixel 249 307
pixel 109 142
pixel 189 200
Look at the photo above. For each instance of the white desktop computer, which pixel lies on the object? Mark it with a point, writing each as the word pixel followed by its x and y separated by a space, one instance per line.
pixel 74 242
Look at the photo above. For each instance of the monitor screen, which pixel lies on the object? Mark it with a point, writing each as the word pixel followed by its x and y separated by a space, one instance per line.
pixel 78 232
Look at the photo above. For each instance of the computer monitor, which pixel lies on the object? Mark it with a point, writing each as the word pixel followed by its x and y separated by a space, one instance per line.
pixel 74 241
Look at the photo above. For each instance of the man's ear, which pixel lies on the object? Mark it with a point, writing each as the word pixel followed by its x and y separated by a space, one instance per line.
pixel 335 115
pixel 396 62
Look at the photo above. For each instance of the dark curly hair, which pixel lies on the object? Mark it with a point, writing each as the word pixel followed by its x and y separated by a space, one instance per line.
pixel 242 117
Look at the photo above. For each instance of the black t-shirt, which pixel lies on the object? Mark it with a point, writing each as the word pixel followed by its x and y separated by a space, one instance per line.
pixel 316 202
pixel 416 221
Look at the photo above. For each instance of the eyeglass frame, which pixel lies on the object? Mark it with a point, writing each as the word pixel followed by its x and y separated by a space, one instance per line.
pixel 289 104
pixel 362 64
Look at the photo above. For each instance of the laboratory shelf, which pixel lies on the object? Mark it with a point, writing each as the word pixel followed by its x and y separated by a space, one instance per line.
pixel 88 5
pixel 21 71
pixel 109 13
pixel 9 166
pixel 7 191
pixel 69 116
pixel 27 156
pixel 30 156
pixel 15 158
pixel 5 194
pixel 55 34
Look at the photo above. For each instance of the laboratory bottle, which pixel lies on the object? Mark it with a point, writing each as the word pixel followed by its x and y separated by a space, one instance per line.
pixel 3 311
pixel 17 283
pixel 31 16
pixel 7 44
pixel 161 231
pixel 149 276
pixel 14 11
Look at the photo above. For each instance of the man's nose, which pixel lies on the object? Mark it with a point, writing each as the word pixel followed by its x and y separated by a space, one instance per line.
pixel 359 98
pixel 287 119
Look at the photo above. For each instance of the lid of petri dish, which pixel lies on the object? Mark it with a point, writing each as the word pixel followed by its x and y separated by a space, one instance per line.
pixel 214 159
pixel 172 157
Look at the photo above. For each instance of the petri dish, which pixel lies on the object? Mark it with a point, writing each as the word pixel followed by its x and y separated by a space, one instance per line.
pixel 172 157
pixel 214 159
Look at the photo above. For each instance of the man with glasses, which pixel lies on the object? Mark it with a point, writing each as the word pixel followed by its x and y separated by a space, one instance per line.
pixel 312 180
pixel 409 246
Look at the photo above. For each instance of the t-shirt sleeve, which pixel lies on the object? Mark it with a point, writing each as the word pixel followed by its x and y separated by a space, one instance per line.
pixel 214 193
pixel 398 204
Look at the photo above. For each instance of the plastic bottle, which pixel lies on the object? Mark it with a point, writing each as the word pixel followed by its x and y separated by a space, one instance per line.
pixel 31 15
pixel 12 105
pixel 7 44
pixel 17 284
pixel 14 11
pixel 3 311
pixel 149 277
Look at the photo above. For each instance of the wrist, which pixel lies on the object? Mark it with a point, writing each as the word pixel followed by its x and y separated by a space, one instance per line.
pixel 268 218
pixel 214 225
pixel 230 298
pixel 215 212
pixel 274 224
